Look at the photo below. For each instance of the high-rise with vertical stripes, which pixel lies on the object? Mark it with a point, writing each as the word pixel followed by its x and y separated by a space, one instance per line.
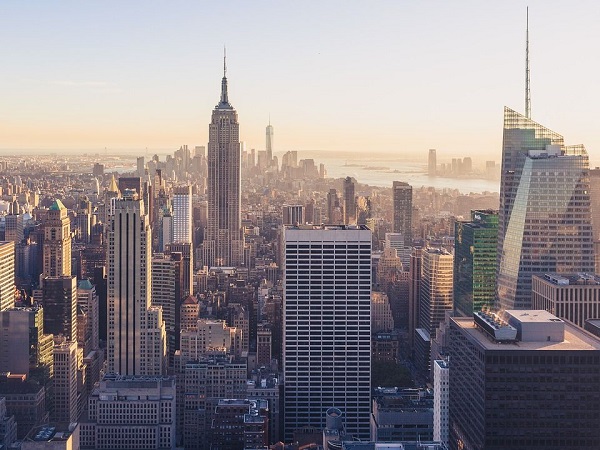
pixel 327 329
pixel 136 331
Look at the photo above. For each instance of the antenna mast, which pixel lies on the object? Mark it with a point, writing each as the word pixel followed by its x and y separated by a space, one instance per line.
pixel 527 80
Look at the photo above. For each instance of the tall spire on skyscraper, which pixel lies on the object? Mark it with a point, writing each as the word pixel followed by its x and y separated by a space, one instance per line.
pixel 224 103
pixel 527 81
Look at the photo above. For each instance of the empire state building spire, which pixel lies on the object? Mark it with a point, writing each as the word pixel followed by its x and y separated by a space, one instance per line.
pixel 224 239
pixel 224 103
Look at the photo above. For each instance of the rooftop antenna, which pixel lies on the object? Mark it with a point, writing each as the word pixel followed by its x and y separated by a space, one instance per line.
pixel 527 80
pixel 224 61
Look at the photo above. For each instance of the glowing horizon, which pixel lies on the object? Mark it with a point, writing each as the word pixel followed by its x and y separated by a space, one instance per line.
pixel 339 76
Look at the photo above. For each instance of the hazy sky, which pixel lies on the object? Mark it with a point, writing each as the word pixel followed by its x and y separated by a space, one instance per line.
pixel 393 76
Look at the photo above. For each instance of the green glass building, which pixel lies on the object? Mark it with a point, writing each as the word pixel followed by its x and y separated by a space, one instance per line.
pixel 475 262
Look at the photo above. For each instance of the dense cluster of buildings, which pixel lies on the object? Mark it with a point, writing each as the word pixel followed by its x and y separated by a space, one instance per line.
pixel 221 299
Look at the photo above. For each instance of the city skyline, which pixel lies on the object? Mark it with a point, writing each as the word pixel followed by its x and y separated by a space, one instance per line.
pixel 115 87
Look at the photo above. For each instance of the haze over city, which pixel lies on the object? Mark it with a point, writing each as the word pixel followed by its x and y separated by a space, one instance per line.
pixel 386 77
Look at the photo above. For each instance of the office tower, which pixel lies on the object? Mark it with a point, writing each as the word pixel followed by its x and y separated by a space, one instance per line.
pixel 335 210
pixel 189 314
pixel 262 160
pixel 65 382
pixel 88 303
pixel 205 382
pixel 131 183
pixel 414 293
pixel 397 241
pixel 402 416
pixel 522 381
pixel 136 331
pixel 182 214
pixel 112 192
pixel 26 400
pixel 402 198
pixel 363 210
pixel 293 214
pixel 388 268
pixel 349 202
pixel 432 163
pixel 289 160
pixel 436 288
pixel 98 170
pixel 57 241
pixel 143 188
pixel 7 275
pixel 327 306
pixel 239 316
pixel 475 246
pixel 240 423
pixel 381 313
pixel 264 346
pixel 25 348
pixel 59 298
pixel 8 426
pixel 210 335
pixel 224 242
pixel 166 227
pixel 574 297
pixel 130 412
pixel 83 219
pixel 441 374
pixel 435 298
pixel 167 280
pixel 269 143
pixel 141 166
pixel 595 205
pixel 546 185
pixel 187 254
pixel 13 223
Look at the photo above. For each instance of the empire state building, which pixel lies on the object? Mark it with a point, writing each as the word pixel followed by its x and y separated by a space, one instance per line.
pixel 224 240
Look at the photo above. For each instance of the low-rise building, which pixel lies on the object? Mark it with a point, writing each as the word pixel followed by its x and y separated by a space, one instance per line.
pixel 128 412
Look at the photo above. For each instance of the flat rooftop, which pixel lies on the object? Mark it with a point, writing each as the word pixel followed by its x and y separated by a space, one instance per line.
pixel 334 227
pixel 568 279
pixel 533 316
pixel 575 338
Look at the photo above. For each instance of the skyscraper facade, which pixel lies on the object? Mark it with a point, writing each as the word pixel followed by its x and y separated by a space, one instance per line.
pixel 522 381
pixel 327 332
pixel 57 241
pixel 544 220
pixel 7 275
pixel 432 163
pixel 475 246
pixel 59 297
pixel 136 331
pixel 436 288
pixel 349 202
pixel 293 214
pixel 402 197
pixel 269 143
pixel 182 214
pixel 224 243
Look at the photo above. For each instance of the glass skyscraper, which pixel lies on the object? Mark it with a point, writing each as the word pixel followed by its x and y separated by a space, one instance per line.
pixel 544 219
pixel 475 245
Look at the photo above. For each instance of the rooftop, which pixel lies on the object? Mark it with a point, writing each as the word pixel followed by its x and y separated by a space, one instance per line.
pixel 574 338
pixel 334 227
pixel 57 206
pixel 570 279
pixel 50 433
